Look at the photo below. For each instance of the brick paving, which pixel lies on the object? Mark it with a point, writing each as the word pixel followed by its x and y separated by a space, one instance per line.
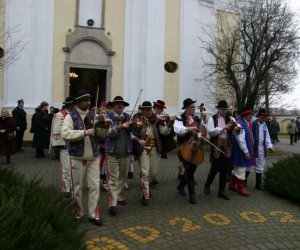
pixel 261 221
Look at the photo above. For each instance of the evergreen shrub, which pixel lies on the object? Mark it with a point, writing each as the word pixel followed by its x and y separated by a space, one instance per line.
pixel 283 179
pixel 35 217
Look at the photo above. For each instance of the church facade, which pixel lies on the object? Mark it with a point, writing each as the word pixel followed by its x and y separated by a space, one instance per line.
pixel 118 46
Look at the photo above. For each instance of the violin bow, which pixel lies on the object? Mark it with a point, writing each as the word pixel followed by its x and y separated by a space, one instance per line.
pixel 135 104
pixel 202 109
pixel 152 128
pixel 212 144
pixel 94 123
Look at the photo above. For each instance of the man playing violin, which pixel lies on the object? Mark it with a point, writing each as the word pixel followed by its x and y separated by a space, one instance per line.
pixel 150 141
pixel 186 127
pixel 118 147
pixel 219 128
pixel 168 142
pixel 79 132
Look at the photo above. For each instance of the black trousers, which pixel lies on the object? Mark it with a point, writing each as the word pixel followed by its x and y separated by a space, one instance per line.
pixel 56 150
pixel 292 136
pixel 219 165
pixel 39 153
pixel 19 139
pixel 188 177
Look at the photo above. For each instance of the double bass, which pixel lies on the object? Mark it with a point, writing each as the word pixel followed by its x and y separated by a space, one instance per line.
pixel 192 150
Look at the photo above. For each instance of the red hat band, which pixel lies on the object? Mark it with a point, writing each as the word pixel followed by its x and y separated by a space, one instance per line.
pixel 159 105
pixel 246 112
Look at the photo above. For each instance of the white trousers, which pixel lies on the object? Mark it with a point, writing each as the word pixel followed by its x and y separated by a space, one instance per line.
pixel 79 170
pixel 65 171
pixel 148 161
pixel 260 165
pixel 239 172
pixel 117 170
pixel 261 160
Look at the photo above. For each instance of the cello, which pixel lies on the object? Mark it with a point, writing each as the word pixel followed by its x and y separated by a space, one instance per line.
pixel 192 150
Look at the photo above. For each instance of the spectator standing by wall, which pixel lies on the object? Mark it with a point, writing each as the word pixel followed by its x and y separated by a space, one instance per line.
pixel 41 131
pixel 19 115
pixel 292 130
pixel 7 138
pixel 274 130
pixel 297 138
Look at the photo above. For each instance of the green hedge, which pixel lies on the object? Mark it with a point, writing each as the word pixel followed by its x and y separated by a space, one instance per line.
pixel 283 179
pixel 35 217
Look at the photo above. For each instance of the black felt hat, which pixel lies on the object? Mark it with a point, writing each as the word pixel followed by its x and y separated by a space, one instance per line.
pixel 222 104
pixel 262 112
pixel 69 100
pixel 119 99
pixel 187 102
pixel 146 105
pixel 82 94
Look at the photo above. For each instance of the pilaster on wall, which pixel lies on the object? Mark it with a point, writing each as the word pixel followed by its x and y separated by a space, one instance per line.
pixel 172 48
pixel 144 50
pixel 115 30
pixel 196 15
pixel 64 21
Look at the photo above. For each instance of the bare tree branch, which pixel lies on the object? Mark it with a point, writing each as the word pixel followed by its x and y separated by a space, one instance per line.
pixel 254 56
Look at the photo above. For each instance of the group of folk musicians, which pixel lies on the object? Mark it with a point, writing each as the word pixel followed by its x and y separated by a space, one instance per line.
pixel 85 136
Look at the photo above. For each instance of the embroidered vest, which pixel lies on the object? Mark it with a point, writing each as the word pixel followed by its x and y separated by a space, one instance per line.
pixel 214 139
pixel 109 143
pixel 255 129
pixel 76 148
pixel 238 155
pixel 187 136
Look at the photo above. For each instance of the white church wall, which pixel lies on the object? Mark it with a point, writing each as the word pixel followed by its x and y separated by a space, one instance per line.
pixel 144 50
pixel 30 77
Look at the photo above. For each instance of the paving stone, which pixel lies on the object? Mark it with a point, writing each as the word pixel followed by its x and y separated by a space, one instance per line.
pixel 166 205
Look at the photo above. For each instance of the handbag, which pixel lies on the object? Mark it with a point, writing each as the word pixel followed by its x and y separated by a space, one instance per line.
pixel 11 136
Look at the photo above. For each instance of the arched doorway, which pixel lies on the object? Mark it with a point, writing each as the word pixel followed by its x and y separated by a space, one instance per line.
pixel 93 80
pixel 88 63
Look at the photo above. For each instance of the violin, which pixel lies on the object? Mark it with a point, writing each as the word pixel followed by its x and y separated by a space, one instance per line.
pixel 102 122
pixel 234 126
pixel 135 123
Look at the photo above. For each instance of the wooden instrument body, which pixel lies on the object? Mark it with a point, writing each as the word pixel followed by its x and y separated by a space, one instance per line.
pixel 191 150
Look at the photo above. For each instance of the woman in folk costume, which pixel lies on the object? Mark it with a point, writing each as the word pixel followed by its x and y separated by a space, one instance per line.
pixel 262 142
pixel 242 152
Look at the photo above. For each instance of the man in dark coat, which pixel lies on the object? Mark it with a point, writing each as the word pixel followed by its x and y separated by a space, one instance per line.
pixel 19 115
pixel 41 129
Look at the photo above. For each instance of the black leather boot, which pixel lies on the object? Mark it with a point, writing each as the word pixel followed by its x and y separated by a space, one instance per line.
pixel 246 180
pixel 258 184
pixel 192 194
pixel 193 199
pixel 181 185
pixel 223 195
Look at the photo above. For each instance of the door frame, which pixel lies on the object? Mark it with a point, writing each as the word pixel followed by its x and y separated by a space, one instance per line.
pixel 108 69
